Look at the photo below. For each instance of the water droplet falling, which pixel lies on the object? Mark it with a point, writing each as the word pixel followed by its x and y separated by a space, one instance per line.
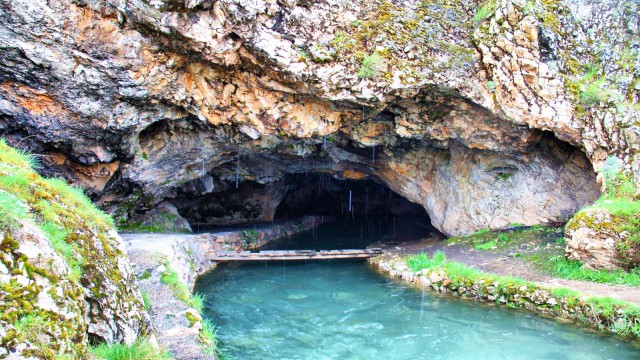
pixel 238 171
pixel 373 155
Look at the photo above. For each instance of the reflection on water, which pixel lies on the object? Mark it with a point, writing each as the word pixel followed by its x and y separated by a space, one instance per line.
pixel 344 310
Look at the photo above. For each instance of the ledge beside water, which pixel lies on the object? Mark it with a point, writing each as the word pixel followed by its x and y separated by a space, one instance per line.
pixel 604 314
pixel 171 305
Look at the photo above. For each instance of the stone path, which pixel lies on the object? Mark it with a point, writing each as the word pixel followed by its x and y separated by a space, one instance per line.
pixel 504 264
pixel 148 254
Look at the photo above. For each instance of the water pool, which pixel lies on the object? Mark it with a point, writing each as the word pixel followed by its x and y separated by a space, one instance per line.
pixel 345 310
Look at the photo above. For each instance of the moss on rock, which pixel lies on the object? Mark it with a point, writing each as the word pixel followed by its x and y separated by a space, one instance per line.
pixel 64 275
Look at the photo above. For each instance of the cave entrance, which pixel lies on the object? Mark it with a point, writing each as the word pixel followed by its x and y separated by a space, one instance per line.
pixel 354 213
pixel 358 213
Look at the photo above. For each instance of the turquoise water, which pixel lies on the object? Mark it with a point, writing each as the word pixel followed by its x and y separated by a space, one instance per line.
pixel 345 310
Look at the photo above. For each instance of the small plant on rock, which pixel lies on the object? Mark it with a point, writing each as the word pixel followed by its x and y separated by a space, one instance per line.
pixel 372 66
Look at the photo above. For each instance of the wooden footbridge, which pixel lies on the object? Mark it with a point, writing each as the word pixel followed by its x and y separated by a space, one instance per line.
pixel 274 255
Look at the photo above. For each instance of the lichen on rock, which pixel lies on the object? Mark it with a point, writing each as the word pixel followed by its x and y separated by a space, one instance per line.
pixel 65 278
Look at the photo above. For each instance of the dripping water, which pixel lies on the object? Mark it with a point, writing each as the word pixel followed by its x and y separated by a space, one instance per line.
pixel 238 171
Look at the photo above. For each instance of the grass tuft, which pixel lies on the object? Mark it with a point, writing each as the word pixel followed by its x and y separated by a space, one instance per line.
pixel 423 261
pixel 372 66
pixel 16 157
pixel 31 328
pixel 140 350
pixel 484 12
pixel 170 278
pixel 12 210
pixel 572 269
pixel 146 299
pixel 208 338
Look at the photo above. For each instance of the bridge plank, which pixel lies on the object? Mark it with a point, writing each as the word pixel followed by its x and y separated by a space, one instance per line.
pixel 274 255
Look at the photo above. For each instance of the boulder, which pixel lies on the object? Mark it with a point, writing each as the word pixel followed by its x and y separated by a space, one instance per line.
pixel 591 239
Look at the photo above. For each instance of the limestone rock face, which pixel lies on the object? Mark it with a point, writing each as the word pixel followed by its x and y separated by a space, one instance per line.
pixel 592 239
pixel 464 190
pixel 31 271
pixel 149 102
pixel 165 216
pixel 65 280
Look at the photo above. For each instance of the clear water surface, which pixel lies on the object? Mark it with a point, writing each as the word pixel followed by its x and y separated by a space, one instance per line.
pixel 345 310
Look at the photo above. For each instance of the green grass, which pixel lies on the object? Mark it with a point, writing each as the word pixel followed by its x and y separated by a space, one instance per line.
pixel 207 334
pixel 77 231
pixel 485 11
pixel 488 240
pixel 487 246
pixel 423 261
pixel 31 328
pixel 618 206
pixel 140 350
pixel 562 293
pixel 610 314
pixel 55 207
pixel 371 66
pixel 16 157
pixel 76 198
pixel 146 299
pixel 12 210
pixel 573 270
pixel 180 290
pixel 619 199
pixel 57 237
pixel 208 338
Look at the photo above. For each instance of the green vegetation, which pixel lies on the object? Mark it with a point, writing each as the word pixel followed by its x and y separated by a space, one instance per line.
pixel 170 278
pixel 146 299
pixel 250 238
pixel 545 248
pixel 78 232
pixel 621 200
pixel 521 236
pixel 488 245
pixel 12 209
pixel 208 338
pixel 145 275
pixel 390 28
pixel 31 327
pixel 181 292
pixel 140 350
pixel 503 176
pixel 423 261
pixel 51 204
pixel 592 88
pixel 572 269
pixel 563 293
pixel 608 314
pixel 371 67
pixel 485 11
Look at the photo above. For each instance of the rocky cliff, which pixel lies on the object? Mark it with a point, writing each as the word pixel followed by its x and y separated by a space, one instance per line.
pixel 485 114
pixel 64 277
